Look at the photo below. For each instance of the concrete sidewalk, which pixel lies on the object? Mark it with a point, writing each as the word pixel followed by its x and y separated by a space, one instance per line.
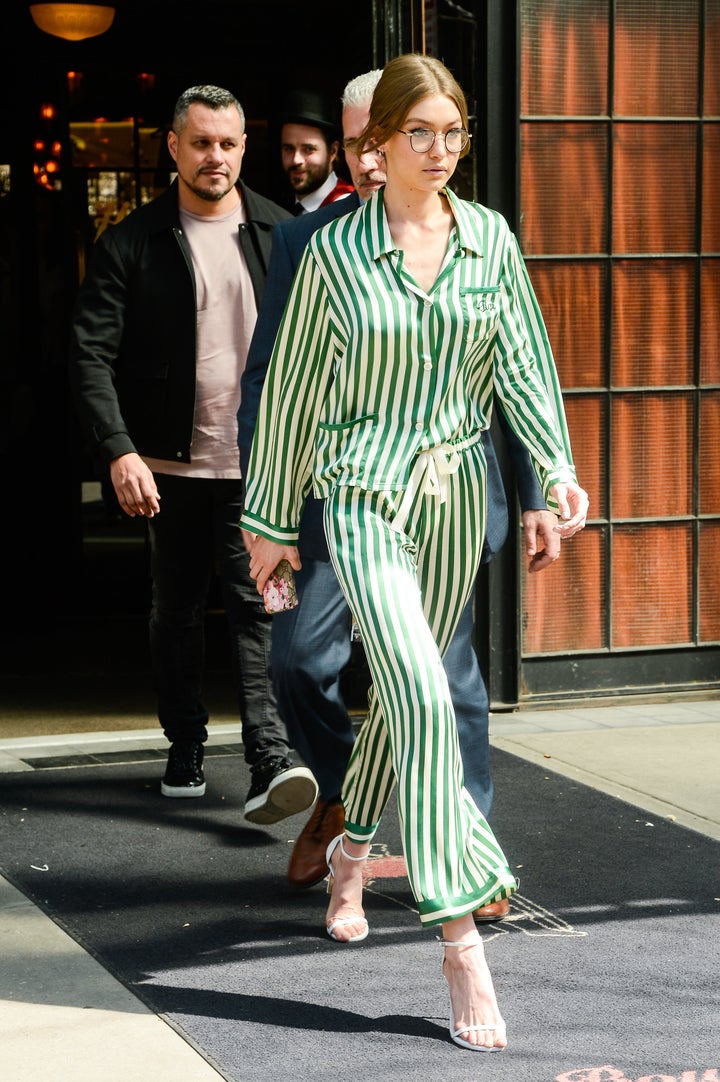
pixel 65 1018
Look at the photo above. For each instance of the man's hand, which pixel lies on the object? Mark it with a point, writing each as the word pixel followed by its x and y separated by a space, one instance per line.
pixel 573 503
pixel 542 540
pixel 265 555
pixel 134 486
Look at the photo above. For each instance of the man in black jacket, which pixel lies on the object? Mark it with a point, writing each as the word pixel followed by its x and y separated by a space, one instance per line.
pixel 161 329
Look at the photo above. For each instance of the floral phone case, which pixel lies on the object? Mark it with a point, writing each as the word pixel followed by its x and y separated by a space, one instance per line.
pixel 280 593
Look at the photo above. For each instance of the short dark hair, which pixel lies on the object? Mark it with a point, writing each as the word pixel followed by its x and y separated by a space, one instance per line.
pixel 214 97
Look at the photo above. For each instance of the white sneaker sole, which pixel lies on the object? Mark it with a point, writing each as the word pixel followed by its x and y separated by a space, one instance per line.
pixel 182 790
pixel 291 792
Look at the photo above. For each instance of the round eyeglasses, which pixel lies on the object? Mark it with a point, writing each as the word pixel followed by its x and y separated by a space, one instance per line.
pixel 423 139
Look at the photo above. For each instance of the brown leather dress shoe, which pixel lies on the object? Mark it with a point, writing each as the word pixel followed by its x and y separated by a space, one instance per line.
pixel 308 865
pixel 493 911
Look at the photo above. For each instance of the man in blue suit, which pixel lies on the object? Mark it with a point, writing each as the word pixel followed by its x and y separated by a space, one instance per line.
pixel 311 644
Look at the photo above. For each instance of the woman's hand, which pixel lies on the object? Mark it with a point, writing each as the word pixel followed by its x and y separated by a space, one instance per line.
pixel 573 503
pixel 265 555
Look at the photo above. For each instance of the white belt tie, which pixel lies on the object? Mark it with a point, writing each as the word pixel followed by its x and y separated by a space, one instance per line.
pixel 429 476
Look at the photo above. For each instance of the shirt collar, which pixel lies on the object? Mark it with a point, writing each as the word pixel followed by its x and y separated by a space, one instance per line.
pixel 314 199
pixel 469 235
pixel 379 237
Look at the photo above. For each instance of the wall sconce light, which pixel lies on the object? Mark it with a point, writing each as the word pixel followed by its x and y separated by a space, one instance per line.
pixel 74 22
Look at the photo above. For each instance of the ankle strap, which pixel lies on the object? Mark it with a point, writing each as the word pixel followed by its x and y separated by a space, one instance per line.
pixel 457 943
pixel 347 855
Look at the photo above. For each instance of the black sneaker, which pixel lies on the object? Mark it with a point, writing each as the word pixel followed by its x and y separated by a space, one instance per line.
pixel 278 790
pixel 184 775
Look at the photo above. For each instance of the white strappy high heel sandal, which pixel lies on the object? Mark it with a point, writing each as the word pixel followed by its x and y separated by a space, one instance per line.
pixel 339 921
pixel 456 1031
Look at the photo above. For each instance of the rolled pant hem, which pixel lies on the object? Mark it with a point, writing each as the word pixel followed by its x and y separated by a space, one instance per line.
pixel 360 834
pixel 439 911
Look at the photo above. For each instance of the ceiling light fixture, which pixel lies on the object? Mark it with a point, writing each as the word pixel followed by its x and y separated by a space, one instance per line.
pixel 74 22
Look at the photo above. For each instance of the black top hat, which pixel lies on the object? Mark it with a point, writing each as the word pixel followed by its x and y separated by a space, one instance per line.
pixel 312 108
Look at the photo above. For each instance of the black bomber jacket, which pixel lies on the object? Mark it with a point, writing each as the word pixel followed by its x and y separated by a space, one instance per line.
pixel 133 344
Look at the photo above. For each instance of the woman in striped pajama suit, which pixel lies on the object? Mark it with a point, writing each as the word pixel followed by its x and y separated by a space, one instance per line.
pixel 405 318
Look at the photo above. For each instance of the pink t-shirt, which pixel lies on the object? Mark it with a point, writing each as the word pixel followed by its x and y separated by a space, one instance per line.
pixel 226 315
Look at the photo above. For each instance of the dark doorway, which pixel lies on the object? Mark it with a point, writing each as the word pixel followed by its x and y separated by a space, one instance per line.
pixel 75 583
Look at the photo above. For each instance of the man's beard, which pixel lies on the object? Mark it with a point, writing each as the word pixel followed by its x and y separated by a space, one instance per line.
pixel 310 183
pixel 210 195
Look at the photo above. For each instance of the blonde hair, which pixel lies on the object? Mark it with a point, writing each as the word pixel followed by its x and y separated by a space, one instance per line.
pixel 404 81
pixel 359 91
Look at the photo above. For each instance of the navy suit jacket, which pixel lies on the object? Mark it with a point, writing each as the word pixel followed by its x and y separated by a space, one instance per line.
pixel 289 240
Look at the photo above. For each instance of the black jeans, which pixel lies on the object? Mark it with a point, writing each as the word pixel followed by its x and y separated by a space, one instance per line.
pixel 195 533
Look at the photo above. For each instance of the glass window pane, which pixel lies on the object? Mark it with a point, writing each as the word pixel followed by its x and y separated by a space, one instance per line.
pixel 102 144
pixel 563 189
pixel 712 52
pixel 587 425
pixel 653 333
pixel 617 262
pixel 709 592
pixel 710 321
pixel 110 144
pixel 578 578
pixel 110 198
pixel 654 188
pixel 656 57
pixel 711 187
pixel 564 64
pixel 709 451
pixel 572 298
pixel 648 608
pixel 651 456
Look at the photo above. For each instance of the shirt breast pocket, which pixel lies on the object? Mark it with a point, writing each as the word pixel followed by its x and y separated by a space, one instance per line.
pixel 342 449
pixel 480 311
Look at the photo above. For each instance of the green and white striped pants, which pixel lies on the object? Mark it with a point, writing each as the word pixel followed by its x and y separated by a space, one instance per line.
pixel 407 588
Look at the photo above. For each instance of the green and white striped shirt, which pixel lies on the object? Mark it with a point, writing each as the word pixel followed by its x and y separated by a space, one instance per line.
pixel 369 371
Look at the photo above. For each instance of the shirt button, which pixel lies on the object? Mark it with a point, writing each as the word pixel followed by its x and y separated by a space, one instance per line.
pixel 427 366
pixel 427 303
pixel 178 454
pixel 419 426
